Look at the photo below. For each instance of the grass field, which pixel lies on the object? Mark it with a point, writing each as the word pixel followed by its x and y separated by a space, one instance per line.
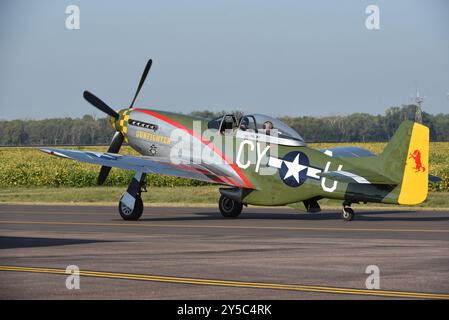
pixel 30 176
pixel 164 196
pixel 199 195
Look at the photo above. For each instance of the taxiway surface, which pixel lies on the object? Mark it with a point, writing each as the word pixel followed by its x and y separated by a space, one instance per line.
pixel 193 253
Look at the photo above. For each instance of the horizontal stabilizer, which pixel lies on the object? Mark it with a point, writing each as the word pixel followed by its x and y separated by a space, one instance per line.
pixel 347 152
pixel 349 177
pixel 434 179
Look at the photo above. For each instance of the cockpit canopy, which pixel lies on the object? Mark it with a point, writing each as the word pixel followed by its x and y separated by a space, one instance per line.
pixel 257 125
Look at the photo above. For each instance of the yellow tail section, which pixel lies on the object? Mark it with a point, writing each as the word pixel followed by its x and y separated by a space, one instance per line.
pixel 415 182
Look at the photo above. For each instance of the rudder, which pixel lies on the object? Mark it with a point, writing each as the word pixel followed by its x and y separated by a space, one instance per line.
pixel 406 160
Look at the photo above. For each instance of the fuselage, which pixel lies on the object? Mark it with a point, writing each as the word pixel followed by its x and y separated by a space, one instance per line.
pixel 272 173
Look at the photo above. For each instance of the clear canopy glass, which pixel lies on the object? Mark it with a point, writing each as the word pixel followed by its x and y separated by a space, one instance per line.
pixel 264 124
pixel 258 123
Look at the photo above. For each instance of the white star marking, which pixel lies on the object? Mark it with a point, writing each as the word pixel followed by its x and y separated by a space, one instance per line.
pixel 294 168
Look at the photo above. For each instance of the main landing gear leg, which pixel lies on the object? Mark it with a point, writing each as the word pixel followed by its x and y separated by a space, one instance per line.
pixel 130 206
pixel 347 213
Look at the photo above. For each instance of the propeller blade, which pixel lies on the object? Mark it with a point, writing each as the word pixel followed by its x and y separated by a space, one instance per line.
pixel 99 104
pixel 114 147
pixel 142 80
pixel 116 142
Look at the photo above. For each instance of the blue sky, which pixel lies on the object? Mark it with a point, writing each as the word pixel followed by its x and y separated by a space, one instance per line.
pixel 274 57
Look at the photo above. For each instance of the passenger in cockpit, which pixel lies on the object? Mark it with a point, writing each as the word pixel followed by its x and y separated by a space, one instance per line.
pixel 267 126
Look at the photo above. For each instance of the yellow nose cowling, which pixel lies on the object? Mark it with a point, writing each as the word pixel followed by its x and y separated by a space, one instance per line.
pixel 120 124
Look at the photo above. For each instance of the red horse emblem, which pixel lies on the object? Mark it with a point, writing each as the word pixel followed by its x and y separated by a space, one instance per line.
pixel 416 155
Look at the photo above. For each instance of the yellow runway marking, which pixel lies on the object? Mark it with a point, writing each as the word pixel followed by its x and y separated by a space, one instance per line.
pixel 56 213
pixel 230 283
pixel 162 225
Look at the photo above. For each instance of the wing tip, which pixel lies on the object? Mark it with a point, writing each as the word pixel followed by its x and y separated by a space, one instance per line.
pixel 54 152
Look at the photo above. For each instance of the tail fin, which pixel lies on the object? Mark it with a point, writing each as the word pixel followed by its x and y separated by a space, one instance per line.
pixel 405 159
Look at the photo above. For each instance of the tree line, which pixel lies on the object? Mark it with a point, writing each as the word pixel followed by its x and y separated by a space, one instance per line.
pixel 356 127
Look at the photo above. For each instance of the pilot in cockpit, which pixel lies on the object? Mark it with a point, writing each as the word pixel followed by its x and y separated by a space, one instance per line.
pixel 244 124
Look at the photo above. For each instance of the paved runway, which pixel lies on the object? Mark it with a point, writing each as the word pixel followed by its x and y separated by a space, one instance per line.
pixel 192 253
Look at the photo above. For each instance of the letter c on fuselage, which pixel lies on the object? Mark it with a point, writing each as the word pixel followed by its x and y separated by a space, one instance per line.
pixel 239 154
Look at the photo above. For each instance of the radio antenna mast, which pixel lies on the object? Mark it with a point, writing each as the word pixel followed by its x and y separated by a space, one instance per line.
pixel 418 102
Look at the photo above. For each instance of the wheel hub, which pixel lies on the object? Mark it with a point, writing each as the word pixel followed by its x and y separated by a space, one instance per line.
pixel 125 209
pixel 228 205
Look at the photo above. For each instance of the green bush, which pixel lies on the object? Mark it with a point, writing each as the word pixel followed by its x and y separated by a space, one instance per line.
pixel 29 167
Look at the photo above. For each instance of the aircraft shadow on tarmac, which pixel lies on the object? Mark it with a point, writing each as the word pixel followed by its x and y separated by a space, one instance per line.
pixel 361 216
pixel 31 242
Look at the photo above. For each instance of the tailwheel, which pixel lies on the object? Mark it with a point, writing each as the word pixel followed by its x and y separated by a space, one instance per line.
pixel 347 214
pixel 131 214
pixel 229 208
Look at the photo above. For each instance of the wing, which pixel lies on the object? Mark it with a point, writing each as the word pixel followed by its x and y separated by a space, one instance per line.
pixel 145 164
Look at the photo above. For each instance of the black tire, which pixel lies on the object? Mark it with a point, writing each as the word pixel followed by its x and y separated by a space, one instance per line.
pixel 129 215
pixel 347 214
pixel 229 208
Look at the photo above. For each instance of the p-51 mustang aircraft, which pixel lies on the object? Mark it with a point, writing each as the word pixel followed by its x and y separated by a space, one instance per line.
pixel 257 159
